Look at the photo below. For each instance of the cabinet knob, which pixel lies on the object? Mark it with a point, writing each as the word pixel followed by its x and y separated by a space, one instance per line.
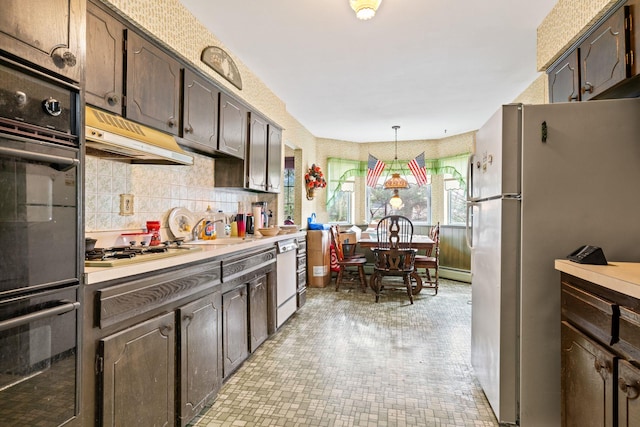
pixel 188 129
pixel 587 88
pixel 171 123
pixel 52 107
pixel 165 329
pixel 602 368
pixel 573 98
pixel 631 390
pixel 112 99
pixel 65 58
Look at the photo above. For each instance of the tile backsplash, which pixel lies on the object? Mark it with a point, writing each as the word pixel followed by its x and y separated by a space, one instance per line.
pixel 156 190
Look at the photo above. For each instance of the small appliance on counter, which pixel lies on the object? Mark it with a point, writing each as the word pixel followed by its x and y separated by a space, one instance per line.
pixel 154 228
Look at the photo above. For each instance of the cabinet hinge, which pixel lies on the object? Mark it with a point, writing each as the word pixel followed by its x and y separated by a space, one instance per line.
pixel 629 58
pixel 99 365
pixel 628 23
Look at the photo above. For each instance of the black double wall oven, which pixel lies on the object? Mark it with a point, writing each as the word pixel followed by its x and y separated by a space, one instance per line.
pixel 40 221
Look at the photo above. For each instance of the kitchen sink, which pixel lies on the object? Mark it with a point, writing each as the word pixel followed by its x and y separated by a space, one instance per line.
pixel 220 242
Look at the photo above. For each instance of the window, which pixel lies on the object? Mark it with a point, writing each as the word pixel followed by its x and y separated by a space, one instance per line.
pixel 289 183
pixel 455 199
pixel 341 176
pixel 416 200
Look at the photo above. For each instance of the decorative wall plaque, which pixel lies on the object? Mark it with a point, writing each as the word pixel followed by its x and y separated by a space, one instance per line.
pixel 221 63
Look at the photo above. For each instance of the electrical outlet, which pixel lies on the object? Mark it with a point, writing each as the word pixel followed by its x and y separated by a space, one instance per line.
pixel 126 204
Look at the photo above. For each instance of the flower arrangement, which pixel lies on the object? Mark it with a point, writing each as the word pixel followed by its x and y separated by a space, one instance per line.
pixel 314 179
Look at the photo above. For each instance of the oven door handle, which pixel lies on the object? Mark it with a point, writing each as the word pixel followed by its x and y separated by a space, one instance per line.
pixel 65 307
pixel 62 164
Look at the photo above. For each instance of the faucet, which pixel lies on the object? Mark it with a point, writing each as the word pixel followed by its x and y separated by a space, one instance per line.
pixel 195 233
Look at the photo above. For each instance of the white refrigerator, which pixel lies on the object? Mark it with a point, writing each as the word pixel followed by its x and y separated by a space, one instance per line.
pixel 543 181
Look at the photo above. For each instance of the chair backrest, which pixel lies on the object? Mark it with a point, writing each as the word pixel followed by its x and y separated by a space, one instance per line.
pixel 434 234
pixel 395 231
pixel 333 232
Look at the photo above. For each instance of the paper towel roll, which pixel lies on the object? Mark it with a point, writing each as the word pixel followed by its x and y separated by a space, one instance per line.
pixel 257 217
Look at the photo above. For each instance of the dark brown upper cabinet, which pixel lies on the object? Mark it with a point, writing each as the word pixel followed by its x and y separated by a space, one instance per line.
pixel 264 168
pixel 50 35
pixel 233 127
pixel 200 113
pixel 104 66
pixel 603 56
pixel 564 80
pixel 257 159
pixel 274 162
pixel 153 85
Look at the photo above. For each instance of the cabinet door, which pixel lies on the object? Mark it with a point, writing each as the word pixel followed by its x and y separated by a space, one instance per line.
pixel 587 381
pixel 138 378
pixel 603 56
pixel 200 359
pixel 153 85
pixel 258 139
pixel 258 312
pixel 233 127
pixel 628 392
pixel 235 346
pixel 104 65
pixel 200 113
pixel 49 34
pixel 274 164
pixel 564 80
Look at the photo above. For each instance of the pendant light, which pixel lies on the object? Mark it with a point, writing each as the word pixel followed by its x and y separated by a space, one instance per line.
pixel 396 182
pixel 395 201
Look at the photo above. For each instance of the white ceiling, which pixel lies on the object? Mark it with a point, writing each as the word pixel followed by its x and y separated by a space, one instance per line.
pixel 435 67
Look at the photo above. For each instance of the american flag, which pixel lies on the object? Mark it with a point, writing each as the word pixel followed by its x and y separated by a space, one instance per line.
pixel 418 170
pixel 374 169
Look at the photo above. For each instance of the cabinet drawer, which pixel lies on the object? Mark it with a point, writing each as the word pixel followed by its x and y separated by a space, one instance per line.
pixel 630 333
pixel 592 314
pixel 302 279
pixel 302 297
pixel 302 261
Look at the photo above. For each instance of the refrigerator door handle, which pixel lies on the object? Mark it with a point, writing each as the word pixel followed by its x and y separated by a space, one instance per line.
pixel 469 178
pixel 467 231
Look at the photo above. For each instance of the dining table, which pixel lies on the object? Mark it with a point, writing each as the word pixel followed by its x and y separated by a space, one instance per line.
pixel 419 242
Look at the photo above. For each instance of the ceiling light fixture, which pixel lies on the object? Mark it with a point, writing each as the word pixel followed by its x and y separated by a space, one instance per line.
pixel 365 9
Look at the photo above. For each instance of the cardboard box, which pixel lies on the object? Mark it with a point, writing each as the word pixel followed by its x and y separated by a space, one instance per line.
pixel 318 258
pixel 347 237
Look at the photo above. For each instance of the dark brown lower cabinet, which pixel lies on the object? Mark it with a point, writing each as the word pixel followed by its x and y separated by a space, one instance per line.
pixel 137 384
pixel 600 356
pixel 235 334
pixel 258 312
pixel 628 394
pixel 159 345
pixel 199 364
pixel 588 373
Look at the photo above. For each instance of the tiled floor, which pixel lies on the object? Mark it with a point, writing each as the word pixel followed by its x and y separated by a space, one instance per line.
pixel 344 360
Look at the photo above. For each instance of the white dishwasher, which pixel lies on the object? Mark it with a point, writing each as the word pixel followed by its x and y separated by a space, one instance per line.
pixel 286 289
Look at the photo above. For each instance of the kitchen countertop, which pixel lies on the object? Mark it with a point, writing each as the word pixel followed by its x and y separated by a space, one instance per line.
pixel 94 275
pixel 623 277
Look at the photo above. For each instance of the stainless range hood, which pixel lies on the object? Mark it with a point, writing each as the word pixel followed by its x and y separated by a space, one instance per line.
pixel 113 137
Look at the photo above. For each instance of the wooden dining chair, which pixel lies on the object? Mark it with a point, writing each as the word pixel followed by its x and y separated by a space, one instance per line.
pixel 394 231
pixel 345 264
pixel 431 260
pixel 394 255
